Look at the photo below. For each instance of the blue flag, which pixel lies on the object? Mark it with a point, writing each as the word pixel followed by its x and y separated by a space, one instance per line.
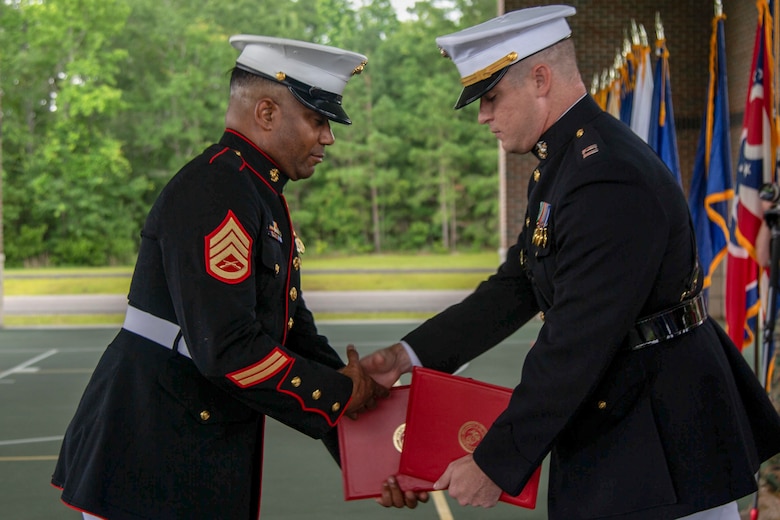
pixel 627 93
pixel 711 186
pixel 663 137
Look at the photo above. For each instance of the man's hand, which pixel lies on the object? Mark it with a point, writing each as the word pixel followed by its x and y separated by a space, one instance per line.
pixel 393 496
pixel 468 484
pixel 364 389
pixel 386 365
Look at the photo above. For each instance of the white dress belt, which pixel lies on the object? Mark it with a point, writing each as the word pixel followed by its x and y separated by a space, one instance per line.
pixel 153 328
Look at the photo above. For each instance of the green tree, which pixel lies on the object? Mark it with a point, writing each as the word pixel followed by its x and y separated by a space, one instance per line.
pixel 103 101
pixel 70 168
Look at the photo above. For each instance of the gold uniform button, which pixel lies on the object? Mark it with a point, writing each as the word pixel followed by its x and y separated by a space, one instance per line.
pixel 336 407
pixel 276 268
pixel 293 294
pixel 541 316
pixel 295 381
pixel 527 221
pixel 299 244
pixel 580 132
pixel 205 415
pixel 602 405
pixel 297 263
pixel 290 324
pixel 316 394
pixel 537 174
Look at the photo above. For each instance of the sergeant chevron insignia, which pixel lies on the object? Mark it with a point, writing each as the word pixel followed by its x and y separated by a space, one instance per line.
pixel 228 250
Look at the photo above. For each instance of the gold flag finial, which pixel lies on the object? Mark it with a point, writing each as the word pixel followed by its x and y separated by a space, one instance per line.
pixel 659 27
pixel 643 35
pixel 619 60
pixel 635 33
pixel 594 85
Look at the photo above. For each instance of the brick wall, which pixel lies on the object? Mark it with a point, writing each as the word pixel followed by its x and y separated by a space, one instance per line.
pixel 598 30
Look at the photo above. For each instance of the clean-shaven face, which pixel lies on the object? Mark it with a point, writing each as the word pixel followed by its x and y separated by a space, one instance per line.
pixel 303 134
pixel 514 112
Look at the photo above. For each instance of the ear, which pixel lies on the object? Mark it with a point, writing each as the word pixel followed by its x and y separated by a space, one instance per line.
pixel 542 77
pixel 266 112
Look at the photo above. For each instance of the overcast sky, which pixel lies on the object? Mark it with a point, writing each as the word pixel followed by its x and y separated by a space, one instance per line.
pixel 400 8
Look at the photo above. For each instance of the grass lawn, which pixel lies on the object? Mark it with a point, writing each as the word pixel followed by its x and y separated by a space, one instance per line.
pixel 332 273
pixel 324 273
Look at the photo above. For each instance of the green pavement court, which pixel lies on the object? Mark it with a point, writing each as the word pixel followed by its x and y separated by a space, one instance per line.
pixel 44 371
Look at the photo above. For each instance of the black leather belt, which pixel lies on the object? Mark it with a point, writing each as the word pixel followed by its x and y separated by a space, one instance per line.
pixel 668 324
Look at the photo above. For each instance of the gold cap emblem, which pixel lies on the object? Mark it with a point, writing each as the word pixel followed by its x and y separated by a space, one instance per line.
pixel 359 68
pixel 281 76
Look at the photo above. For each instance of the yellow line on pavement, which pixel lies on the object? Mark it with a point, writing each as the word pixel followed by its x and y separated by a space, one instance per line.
pixel 28 458
pixel 442 508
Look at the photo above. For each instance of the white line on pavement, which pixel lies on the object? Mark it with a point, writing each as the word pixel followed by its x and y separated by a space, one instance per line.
pixel 31 440
pixel 23 366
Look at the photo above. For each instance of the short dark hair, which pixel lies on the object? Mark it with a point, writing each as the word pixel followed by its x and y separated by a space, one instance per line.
pixel 244 83
pixel 242 78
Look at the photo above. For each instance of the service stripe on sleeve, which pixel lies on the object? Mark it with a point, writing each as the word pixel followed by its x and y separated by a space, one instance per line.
pixel 260 371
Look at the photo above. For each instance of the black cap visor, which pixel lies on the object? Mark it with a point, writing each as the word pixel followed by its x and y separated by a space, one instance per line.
pixel 479 89
pixel 321 101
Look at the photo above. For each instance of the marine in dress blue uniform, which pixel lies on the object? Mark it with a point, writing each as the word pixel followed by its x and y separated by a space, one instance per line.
pixel 648 410
pixel 217 333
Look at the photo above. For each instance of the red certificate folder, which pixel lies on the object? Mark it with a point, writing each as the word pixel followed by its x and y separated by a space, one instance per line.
pixel 371 447
pixel 446 419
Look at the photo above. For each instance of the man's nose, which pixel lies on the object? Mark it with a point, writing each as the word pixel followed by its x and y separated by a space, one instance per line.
pixel 484 115
pixel 327 137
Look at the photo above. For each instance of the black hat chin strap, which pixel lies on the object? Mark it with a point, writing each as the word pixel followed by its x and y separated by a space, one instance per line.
pixel 315 98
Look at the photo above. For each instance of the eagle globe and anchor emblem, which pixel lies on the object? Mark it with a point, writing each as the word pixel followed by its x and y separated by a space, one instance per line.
pixel 470 435
pixel 398 437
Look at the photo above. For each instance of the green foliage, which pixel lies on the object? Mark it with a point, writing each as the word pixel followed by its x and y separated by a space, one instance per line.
pixel 104 100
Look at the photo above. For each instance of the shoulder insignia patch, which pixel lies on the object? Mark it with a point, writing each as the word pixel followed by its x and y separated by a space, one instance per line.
pixel 228 251
pixel 590 150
